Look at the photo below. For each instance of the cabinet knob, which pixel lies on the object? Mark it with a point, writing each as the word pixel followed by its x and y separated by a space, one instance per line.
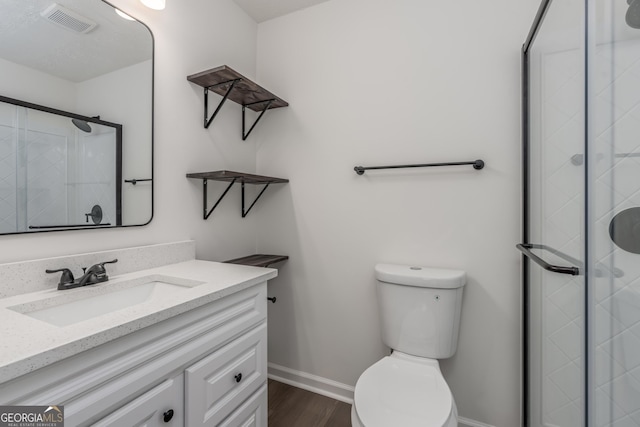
pixel 167 415
pixel 238 377
pixel 272 299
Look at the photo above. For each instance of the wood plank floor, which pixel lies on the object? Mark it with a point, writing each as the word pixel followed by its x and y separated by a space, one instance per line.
pixel 293 407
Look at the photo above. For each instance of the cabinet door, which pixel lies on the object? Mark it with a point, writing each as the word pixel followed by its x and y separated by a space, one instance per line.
pixel 252 413
pixel 218 384
pixel 152 408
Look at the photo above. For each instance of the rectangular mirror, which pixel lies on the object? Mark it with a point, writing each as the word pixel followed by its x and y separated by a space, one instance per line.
pixel 76 117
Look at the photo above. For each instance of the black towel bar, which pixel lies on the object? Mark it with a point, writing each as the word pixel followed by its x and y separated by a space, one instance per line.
pixel 477 164
pixel 134 181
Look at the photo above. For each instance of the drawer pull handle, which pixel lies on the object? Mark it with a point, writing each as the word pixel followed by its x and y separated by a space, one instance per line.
pixel 167 415
pixel 238 377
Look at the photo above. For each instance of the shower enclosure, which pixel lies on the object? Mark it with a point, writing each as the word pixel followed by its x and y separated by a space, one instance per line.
pixel 57 170
pixel 581 207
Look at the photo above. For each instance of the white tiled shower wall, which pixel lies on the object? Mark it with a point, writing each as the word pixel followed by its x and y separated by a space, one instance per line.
pixel 96 176
pixel 615 186
pixel 34 157
pixel 8 215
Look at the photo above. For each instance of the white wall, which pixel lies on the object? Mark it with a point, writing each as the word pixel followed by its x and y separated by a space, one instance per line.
pixel 380 82
pixel 18 82
pixel 189 37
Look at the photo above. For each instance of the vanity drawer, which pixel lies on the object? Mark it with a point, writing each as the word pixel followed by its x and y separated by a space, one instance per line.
pixel 252 413
pixel 152 408
pixel 216 385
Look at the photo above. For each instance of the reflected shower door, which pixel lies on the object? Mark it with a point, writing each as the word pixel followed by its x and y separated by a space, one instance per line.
pixel 53 173
pixel 554 59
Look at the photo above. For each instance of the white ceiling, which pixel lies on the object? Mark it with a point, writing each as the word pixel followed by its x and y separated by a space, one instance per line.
pixel 29 39
pixel 263 10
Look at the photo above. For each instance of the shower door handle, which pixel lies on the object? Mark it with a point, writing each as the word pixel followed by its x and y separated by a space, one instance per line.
pixel 525 248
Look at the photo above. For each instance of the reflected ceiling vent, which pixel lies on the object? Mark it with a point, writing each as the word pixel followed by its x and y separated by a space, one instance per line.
pixel 68 19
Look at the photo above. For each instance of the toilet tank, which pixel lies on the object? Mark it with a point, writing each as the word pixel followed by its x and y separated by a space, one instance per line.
pixel 420 309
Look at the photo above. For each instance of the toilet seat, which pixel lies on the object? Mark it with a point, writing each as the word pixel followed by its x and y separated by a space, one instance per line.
pixel 402 390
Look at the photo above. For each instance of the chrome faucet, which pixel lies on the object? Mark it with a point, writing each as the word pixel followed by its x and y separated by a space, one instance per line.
pixel 92 275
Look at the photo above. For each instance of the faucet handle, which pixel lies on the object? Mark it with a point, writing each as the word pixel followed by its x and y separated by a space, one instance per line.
pixel 100 272
pixel 108 262
pixel 67 275
pixel 99 267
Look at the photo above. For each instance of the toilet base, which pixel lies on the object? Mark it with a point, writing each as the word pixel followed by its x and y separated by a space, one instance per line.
pixel 355 421
pixel 451 422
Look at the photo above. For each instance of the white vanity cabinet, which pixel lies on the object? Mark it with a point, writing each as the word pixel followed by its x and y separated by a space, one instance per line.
pixel 208 366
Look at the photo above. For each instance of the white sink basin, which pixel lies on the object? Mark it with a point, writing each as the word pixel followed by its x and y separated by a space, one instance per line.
pixel 102 300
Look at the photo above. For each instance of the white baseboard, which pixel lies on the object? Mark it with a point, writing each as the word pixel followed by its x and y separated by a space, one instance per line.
pixel 310 382
pixel 465 422
pixel 330 388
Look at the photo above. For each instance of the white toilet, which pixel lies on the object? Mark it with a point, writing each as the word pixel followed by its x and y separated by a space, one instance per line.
pixel 420 312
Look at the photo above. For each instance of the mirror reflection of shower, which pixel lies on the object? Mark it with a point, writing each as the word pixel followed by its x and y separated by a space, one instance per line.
pixel 633 14
pixel 83 125
pixel 60 170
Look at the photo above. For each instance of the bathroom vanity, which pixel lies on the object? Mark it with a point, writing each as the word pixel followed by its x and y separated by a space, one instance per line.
pixel 179 345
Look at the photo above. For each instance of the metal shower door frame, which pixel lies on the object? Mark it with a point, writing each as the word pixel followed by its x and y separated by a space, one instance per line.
pixel 526 206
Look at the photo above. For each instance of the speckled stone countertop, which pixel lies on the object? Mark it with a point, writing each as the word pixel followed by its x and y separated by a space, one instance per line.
pixel 28 344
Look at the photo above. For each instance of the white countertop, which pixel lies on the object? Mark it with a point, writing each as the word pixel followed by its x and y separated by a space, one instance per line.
pixel 28 344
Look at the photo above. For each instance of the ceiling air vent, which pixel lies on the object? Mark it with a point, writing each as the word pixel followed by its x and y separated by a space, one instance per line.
pixel 68 19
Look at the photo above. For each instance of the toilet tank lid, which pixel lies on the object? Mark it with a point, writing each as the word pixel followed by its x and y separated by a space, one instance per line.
pixel 425 277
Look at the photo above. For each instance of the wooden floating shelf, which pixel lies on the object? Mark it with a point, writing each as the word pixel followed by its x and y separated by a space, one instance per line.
pixel 233 177
pixel 258 260
pixel 225 175
pixel 245 92
pixel 232 85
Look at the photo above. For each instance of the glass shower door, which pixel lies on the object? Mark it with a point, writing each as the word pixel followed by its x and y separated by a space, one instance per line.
pixel 555 234
pixel 581 74
pixel 614 194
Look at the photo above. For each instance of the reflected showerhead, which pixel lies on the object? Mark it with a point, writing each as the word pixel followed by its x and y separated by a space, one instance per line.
pixel 82 125
pixel 633 14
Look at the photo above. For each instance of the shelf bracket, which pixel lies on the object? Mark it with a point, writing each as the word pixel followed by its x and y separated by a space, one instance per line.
pixel 264 110
pixel 204 197
pixel 244 213
pixel 207 120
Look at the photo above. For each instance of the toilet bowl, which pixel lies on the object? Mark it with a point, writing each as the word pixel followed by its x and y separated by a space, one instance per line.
pixel 420 312
pixel 403 390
